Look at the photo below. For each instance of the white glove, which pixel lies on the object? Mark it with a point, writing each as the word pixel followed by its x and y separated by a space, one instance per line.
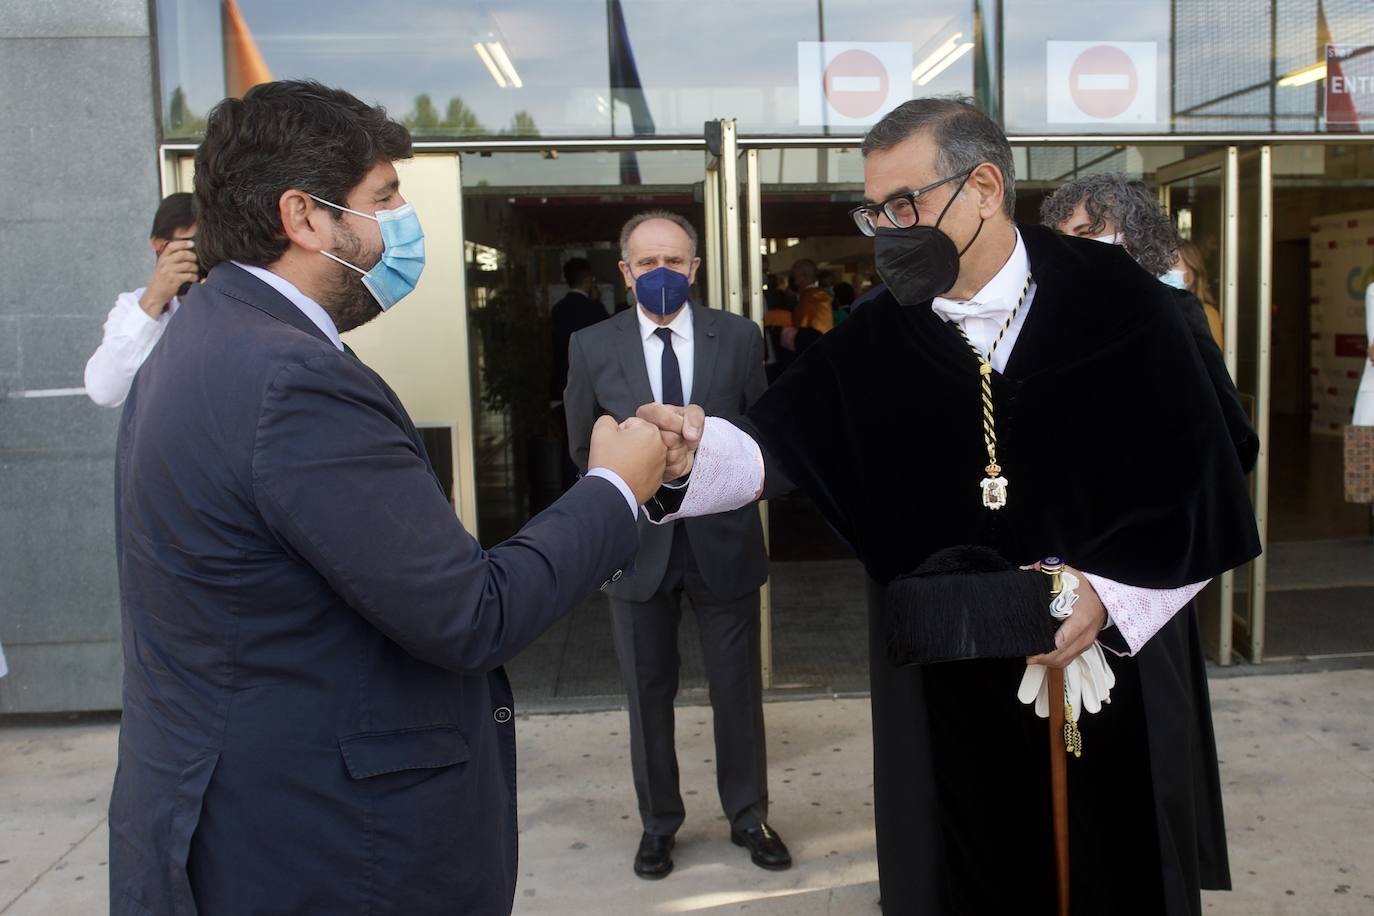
pixel 1088 683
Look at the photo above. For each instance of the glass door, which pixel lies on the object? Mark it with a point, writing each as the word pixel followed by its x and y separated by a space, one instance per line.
pixel 1220 203
pixel 794 222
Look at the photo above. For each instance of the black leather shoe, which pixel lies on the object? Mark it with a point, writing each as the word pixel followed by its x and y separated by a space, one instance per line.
pixel 766 848
pixel 653 861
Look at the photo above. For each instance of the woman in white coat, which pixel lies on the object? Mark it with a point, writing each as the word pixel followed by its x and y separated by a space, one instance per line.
pixel 1364 398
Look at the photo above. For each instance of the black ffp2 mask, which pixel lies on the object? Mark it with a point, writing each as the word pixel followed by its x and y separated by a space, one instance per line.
pixel 920 262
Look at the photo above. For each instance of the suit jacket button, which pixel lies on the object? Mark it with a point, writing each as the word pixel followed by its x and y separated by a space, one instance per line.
pixel 618 574
pixel 502 715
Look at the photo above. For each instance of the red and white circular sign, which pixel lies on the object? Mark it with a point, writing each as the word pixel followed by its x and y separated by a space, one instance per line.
pixel 1103 81
pixel 856 84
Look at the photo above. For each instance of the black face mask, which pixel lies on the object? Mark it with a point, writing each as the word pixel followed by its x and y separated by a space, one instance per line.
pixel 921 262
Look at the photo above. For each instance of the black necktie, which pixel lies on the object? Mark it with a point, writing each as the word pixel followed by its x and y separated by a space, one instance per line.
pixel 672 374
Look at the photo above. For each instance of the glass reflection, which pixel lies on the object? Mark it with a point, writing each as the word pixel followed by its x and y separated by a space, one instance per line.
pixel 604 68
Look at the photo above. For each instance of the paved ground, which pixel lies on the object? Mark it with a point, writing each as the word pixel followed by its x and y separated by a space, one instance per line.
pixel 1297 764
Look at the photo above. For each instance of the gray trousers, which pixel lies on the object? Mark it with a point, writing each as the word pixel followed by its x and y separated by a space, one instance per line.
pixel 646 634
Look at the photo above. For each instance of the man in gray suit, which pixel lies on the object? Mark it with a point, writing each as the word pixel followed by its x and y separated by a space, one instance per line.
pixel 673 352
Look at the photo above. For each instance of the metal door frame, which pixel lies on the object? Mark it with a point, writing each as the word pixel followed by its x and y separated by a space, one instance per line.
pixel 1228 162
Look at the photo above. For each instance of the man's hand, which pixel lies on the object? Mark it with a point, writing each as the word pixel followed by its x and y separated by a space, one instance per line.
pixel 633 450
pixel 681 429
pixel 176 266
pixel 1079 631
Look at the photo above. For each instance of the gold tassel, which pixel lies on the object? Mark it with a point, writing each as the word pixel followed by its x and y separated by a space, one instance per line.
pixel 1073 740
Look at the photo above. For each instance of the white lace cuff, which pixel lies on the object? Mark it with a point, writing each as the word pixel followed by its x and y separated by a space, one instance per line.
pixel 1140 613
pixel 727 472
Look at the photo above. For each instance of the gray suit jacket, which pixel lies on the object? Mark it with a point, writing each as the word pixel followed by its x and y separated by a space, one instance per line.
pixel 607 375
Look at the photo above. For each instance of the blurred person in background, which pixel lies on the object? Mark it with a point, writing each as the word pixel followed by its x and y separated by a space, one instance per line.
pixel 138 318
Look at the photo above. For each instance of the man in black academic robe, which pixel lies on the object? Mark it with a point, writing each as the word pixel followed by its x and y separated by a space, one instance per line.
pixel 1117 458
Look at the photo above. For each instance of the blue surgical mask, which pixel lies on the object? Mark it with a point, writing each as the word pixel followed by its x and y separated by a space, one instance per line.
pixel 1173 278
pixel 403 254
pixel 662 290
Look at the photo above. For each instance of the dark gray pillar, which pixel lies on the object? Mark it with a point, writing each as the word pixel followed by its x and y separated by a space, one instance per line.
pixel 80 186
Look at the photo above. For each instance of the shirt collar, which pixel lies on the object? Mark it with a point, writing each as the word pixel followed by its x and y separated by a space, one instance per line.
pixel 681 325
pixel 998 297
pixel 309 307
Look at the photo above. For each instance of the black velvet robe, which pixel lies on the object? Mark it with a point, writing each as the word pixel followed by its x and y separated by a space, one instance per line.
pixel 1119 459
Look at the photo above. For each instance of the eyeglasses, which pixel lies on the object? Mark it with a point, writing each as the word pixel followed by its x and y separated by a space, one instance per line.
pixel 900 210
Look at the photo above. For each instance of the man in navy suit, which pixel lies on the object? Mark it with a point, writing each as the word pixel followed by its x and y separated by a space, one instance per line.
pixel 315 715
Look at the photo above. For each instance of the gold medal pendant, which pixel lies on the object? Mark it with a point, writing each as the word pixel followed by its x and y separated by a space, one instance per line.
pixel 994 487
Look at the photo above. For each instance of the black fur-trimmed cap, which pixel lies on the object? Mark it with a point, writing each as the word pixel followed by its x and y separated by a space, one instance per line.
pixel 968 602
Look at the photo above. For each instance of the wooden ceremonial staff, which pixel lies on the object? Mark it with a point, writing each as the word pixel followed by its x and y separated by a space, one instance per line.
pixel 1059 767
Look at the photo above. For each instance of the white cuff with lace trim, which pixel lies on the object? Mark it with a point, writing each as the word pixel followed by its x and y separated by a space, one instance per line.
pixel 1140 613
pixel 727 472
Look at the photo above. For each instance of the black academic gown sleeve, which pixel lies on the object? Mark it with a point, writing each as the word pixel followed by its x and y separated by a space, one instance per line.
pixel 1232 410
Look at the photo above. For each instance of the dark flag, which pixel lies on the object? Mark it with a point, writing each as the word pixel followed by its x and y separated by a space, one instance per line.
pixel 626 87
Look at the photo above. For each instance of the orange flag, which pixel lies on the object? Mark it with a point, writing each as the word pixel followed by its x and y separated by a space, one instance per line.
pixel 244 66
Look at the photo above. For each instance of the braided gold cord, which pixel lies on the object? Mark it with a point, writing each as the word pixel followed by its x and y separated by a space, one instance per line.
pixel 985 373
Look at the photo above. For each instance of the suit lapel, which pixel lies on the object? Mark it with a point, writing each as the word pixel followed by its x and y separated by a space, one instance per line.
pixel 705 347
pixel 630 349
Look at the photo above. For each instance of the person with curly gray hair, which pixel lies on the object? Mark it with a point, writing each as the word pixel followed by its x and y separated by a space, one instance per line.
pixel 1112 207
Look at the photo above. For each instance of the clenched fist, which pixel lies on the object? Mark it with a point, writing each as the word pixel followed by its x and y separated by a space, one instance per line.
pixel 681 429
pixel 634 450
pixel 176 267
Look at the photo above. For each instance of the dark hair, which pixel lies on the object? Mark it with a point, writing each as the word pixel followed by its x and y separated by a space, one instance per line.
pixel 844 294
pixel 175 212
pixel 964 135
pixel 576 270
pixel 1146 230
pixel 293 134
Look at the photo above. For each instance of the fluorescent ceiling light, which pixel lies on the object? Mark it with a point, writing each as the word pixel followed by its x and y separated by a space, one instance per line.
pixel 944 64
pixel 498 51
pixel 936 57
pixel 491 64
pixel 1304 75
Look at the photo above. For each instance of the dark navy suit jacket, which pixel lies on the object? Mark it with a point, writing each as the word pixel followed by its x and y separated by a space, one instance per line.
pixel 315 716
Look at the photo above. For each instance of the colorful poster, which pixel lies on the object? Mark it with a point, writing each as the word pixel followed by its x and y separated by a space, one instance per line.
pixel 1342 269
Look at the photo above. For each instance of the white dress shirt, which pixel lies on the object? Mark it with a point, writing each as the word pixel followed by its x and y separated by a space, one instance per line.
pixel 309 307
pixel 727 471
pixel 681 326
pixel 130 334
pixel 982 317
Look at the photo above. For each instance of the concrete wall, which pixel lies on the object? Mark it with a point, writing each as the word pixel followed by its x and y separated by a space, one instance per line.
pixel 79 187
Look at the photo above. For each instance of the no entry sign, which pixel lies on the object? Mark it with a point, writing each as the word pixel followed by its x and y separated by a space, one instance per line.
pixel 845 83
pixel 1102 82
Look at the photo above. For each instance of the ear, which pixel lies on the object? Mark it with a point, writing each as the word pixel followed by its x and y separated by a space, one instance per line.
pixel 304 221
pixel 629 278
pixel 692 272
pixel 988 188
pixel 157 245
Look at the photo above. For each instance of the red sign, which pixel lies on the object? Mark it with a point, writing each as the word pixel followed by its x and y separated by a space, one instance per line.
pixel 1352 345
pixel 1103 81
pixel 856 84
